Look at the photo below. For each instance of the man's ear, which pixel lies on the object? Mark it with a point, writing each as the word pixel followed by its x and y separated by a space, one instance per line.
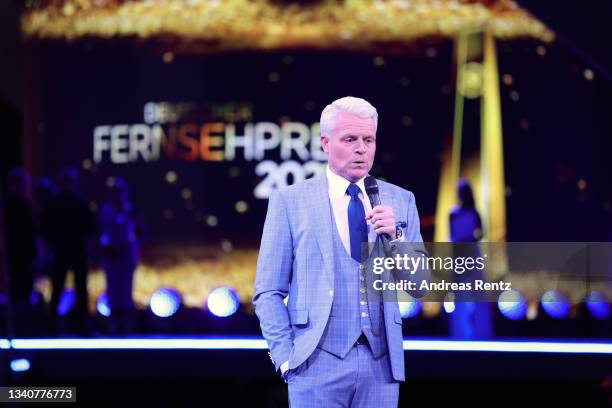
pixel 325 143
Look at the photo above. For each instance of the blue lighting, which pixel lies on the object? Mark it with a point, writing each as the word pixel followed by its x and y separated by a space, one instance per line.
pixel 223 302
pixel 67 301
pixel 555 304
pixel 509 346
pixel 35 298
pixel 165 302
pixel 237 343
pixel 512 304
pixel 598 305
pixel 142 344
pixel 102 305
pixel 20 365
pixel 410 309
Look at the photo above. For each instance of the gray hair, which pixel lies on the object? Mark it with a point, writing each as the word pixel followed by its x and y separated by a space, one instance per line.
pixel 356 106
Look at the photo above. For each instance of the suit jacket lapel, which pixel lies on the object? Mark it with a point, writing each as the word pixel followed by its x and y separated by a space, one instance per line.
pixel 320 205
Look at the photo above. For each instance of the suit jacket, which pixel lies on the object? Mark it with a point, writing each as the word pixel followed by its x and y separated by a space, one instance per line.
pixel 296 260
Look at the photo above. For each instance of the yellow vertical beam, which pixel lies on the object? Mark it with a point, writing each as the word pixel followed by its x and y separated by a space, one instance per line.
pixel 493 185
pixel 451 161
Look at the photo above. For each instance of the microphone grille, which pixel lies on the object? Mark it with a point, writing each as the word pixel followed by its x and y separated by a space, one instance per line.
pixel 370 184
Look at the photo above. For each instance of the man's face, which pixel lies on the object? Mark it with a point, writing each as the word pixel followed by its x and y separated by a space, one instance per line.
pixel 351 146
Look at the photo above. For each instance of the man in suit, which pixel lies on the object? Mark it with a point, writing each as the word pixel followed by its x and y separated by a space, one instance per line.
pixel 334 343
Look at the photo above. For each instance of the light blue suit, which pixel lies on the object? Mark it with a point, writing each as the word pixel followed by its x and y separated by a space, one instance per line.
pixel 296 258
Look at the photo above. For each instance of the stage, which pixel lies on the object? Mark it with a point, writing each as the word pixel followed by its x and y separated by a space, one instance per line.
pixel 236 371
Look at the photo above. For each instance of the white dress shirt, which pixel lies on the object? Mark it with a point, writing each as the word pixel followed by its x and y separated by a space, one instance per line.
pixel 339 200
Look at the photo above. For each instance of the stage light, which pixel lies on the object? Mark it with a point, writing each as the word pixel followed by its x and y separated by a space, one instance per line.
pixel 555 304
pixel 171 177
pixel 241 207
pixel 226 246
pixel 165 302
pixel 241 343
pixel 512 304
pixel 223 302
pixel 20 365
pixel 102 305
pixel 212 221
pixel 532 310
pixel 186 193
pixel 598 305
pixel 410 309
pixel 104 240
pixel 67 301
pixel 431 309
pixel 449 303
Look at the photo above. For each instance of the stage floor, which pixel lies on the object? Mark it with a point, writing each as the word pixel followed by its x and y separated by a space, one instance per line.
pixel 236 371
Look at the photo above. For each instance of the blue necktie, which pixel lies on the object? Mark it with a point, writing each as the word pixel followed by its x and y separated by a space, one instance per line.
pixel 358 229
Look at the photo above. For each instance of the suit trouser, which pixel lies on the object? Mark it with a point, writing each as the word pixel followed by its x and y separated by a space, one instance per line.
pixel 358 380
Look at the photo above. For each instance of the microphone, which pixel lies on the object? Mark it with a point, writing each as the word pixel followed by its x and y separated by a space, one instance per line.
pixel 371 187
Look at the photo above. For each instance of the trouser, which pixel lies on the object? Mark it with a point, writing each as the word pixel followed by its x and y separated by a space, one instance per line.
pixel 357 381
pixel 60 270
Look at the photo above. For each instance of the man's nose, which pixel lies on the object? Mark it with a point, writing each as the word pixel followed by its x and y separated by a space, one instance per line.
pixel 361 147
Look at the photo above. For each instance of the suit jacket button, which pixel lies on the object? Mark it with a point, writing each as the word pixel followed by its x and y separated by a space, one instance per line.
pixel 331 293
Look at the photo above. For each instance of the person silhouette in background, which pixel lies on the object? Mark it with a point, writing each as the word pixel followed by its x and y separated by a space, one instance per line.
pixel 67 225
pixel 118 239
pixel 470 319
pixel 20 245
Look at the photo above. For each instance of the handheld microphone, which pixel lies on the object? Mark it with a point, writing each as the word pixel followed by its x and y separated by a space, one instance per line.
pixel 371 187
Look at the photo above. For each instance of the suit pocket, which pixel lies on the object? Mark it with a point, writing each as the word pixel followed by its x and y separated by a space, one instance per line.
pixel 298 316
pixel 397 317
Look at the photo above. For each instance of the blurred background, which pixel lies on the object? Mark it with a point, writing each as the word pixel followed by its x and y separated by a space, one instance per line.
pixel 141 140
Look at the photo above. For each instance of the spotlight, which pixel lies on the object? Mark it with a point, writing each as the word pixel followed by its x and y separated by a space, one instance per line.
pixel 555 304
pixel 102 305
pixel 20 365
pixel 223 302
pixel 66 302
pixel 449 303
pixel 410 309
pixel 165 302
pixel 598 305
pixel 512 304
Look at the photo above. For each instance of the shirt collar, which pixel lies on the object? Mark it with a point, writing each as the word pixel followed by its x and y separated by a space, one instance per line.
pixel 338 184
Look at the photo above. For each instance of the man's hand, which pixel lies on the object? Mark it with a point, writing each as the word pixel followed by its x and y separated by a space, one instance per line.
pixel 383 220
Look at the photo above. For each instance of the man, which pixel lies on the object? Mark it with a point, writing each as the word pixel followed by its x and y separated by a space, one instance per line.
pixel 333 345
pixel 20 248
pixel 67 225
